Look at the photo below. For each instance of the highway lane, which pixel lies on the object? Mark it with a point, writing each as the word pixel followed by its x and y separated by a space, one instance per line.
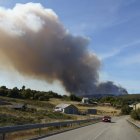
pixel 119 129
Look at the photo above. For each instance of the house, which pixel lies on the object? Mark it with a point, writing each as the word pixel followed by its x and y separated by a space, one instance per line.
pixel 95 103
pixel 85 100
pixel 131 106
pixel 19 106
pixel 135 106
pixel 92 111
pixel 66 108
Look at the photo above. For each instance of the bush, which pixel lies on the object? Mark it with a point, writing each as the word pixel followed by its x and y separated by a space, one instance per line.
pixel 126 110
pixel 6 119
pixel 135 114
pixel 43 98
pixel 58 115
pixel 74 98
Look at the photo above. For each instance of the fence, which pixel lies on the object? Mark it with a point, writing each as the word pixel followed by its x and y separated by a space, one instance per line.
pixel 10 129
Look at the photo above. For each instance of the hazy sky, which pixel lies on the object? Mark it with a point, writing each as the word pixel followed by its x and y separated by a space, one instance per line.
pixel 113 27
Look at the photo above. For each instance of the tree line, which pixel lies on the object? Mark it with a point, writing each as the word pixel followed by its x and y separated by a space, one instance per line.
pixel 28 93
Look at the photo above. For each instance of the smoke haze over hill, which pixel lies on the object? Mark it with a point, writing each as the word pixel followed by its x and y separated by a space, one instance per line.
pixel 35 43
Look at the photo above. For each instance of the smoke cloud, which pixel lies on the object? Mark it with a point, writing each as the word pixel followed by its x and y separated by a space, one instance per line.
pixel 35 43
pixel 110 88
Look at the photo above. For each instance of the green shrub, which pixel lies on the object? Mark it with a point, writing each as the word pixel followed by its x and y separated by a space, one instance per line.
pixel 7 119
pixel 74 98
pixel 58 115
pixel 135 114
pixel 43 98
pixel 126 110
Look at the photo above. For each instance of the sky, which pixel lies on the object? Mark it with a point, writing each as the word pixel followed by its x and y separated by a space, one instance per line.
pixel 113 28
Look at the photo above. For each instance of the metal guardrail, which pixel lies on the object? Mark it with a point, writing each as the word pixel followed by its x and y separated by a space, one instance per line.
pixel 10 129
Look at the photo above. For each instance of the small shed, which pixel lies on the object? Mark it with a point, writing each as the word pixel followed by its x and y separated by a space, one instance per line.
pixel 67 108
pixel 92 111
pixel 19 106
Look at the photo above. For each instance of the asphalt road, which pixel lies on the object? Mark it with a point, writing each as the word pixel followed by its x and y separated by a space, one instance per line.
pixel 119 129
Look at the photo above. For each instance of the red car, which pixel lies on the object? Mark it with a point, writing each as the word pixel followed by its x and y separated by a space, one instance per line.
pixel 106 119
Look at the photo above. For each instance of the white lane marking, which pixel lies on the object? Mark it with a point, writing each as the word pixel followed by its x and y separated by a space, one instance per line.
pixel 101 133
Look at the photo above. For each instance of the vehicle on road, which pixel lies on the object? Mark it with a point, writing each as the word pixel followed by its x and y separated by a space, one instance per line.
pixel 106 119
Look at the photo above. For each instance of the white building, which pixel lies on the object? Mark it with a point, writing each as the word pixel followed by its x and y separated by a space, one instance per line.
pixel 66 108
pixel 85 100
pixel 136 106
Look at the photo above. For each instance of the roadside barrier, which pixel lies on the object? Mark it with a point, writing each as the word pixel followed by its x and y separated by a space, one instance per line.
pixel 11 129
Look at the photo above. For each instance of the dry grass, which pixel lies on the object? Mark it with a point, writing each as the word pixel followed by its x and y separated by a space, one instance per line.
pixel 34 133
pixel 101 110
pixel 44 108
pixel 59 101
pixel 44 112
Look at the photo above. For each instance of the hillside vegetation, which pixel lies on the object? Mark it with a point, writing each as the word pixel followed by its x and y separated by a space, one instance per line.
pixel 40 106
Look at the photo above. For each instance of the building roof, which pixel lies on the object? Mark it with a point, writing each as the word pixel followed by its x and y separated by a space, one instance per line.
pixel 3 102
pixel 135 103
pixel 63 105
pixel 17 106
pixel 85 98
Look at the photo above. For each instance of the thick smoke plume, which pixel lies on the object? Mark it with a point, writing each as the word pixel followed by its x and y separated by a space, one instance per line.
pixel 109 88
pixel 35 43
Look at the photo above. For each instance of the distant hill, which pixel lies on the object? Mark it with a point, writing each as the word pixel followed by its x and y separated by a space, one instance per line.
pixel 105 95
pixel 98 95
pixel 130 96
